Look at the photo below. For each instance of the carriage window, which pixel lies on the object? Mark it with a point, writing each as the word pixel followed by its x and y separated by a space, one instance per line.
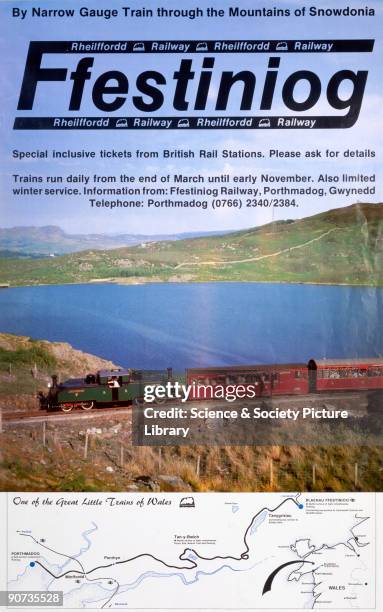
pixel 336 373
pixel 323 373
pixel 136 376
pixel 375 372
pixel 358 373
pixel 218 380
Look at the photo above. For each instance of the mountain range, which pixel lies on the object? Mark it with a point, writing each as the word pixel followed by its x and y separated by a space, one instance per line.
pixel 53 240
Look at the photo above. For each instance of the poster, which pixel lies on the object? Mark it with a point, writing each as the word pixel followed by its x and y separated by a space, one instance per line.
pixel 190 304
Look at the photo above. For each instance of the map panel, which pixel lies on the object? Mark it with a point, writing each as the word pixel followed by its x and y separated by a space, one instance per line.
pixel 221 550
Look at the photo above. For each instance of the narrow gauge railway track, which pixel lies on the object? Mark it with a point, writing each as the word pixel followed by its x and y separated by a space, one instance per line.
pixel 36 416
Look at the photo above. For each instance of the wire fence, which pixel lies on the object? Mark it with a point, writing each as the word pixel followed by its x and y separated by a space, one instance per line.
pixel 212 468
pixel 209 468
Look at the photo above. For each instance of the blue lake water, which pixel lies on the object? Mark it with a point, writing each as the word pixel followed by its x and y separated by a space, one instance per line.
pixel 181 325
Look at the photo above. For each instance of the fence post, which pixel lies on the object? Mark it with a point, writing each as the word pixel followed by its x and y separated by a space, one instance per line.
pixel 44 433
pixel 271 473
pixel 314 474
pixel 57 443
pixel 122 455
pixel 159 458
pixel 198 466
pixel 356 475
pixel 1 419
pixel 86 446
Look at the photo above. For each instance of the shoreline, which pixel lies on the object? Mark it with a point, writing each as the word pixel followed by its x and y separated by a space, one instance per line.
pixel 135 282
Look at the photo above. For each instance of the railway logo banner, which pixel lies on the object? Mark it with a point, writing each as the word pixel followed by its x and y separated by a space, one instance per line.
pixel 193 88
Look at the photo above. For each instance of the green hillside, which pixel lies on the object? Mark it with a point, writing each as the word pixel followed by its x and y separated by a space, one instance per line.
pixel 343 245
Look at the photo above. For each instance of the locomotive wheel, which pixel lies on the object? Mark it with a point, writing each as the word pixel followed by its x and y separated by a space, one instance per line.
pixel 66 408
pixel 160 401
pixel 87 405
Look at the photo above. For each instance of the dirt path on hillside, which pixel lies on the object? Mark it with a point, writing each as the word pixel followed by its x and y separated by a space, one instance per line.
pixel 259 257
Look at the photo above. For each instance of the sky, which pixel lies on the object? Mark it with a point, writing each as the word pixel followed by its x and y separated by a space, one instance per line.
pixel 75 214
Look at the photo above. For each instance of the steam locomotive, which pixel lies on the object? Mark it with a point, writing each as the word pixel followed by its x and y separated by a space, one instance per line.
pixel 122 386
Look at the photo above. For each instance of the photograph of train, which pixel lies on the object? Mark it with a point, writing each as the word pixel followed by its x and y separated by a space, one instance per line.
pixel 121 386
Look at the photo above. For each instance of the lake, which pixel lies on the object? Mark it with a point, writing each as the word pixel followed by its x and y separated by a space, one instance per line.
pixel 186 325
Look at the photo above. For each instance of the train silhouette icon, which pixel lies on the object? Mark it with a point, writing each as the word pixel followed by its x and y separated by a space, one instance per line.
pixel 187 502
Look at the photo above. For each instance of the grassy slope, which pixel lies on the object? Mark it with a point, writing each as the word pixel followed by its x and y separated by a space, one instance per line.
pixel 60 466
pixel 350 252
pixel 26 366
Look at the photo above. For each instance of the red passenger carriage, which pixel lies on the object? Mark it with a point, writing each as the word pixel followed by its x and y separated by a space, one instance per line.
pixel 345 374
pixel 267 380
